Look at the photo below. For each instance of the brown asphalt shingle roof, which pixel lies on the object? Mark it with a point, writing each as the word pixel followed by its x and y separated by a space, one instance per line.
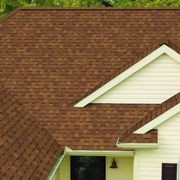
pixel 26 150
pixel 151 136
pixel 51 58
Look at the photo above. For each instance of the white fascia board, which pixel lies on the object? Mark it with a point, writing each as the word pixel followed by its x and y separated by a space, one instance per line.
pixel 124 75
pixel 138 145
pixel 159 120
pixel 56 166
pixel 100 153
pixel 173 54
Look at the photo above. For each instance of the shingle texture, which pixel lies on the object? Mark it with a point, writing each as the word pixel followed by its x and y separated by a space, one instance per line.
pixel 26 150
pixel 150 136
pixel 52 58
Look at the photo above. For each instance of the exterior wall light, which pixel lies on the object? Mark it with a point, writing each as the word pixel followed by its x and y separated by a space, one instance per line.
pixel 113 165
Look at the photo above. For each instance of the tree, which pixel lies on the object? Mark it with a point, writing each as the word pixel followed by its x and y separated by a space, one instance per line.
pixel 147 3
pixel 8 5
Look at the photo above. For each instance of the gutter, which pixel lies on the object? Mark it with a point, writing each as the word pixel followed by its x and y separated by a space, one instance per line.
pixel 138 145
pixel 99 153
pixel 55 167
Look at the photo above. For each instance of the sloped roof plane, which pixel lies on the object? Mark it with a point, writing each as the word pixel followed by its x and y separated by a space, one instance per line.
pixel 26 149
pixel 124 75
pixel 143 131
pixel 51 58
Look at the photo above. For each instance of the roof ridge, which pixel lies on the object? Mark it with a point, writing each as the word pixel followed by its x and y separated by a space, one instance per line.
pixel 98 8
pixel 166 105
pixel 12 13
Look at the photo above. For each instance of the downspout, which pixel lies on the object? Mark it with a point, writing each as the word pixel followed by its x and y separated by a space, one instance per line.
pixel 55 167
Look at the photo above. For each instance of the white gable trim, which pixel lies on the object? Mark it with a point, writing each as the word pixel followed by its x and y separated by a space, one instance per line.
pixel 159 120
pixel 124 75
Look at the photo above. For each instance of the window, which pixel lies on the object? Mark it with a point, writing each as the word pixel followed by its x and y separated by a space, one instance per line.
pixel 87 168
pixel 169 171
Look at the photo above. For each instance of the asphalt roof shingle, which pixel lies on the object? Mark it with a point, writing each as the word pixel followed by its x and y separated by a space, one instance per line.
pixel 151 136
pixel 51 58
pixel 26 149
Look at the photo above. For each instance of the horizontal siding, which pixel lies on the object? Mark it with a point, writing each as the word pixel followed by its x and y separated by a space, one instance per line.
pixel 124 170
pixel 154 83
pixel 150 161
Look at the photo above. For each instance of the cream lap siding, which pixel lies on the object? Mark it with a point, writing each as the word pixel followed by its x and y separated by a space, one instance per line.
pixel 148 162
pixel 124 170
pixel 154 83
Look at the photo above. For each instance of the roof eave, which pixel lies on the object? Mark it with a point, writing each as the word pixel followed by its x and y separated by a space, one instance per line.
pixel 138 145
pixel 100 153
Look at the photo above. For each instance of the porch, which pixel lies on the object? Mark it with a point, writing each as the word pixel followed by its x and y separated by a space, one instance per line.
pixel 76 163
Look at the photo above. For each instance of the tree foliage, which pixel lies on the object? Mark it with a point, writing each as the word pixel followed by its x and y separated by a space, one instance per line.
pixel 147 3
pixel 8 5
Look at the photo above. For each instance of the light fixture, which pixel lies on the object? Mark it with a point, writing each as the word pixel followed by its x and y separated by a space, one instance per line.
pixel 113 165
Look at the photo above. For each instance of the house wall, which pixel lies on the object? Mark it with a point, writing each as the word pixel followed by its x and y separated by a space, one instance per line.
pixel 148 163
pixel 154 83
pixel 124 170
pixel 63 172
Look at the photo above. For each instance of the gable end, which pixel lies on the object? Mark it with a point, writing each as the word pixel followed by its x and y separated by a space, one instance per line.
pixel 164 49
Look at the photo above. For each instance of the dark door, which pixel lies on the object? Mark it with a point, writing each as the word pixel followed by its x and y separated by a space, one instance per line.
pixel 87 168
pixel 169 171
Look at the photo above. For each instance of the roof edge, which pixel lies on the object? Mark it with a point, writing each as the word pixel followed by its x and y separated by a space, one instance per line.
pixel 158 120
pixel 121 153
pixel 56 165
pixel 128 72
pixel 12 13
pixel 138 145
pixel 152 115
pixel 96 8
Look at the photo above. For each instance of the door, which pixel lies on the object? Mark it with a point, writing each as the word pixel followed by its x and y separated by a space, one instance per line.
pixel 169 171
pixel 87 168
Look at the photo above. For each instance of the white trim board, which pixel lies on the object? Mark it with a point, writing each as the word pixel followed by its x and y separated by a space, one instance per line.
pixel 99 153
pixel 127 73
pixel 137 145
pixel 158 120
pixel 178 170
pixel 56 166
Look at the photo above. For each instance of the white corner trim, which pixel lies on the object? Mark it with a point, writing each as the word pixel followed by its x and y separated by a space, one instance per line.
pixel 159 120
pixel 57 164
pixel 124 75
pixel 138 145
